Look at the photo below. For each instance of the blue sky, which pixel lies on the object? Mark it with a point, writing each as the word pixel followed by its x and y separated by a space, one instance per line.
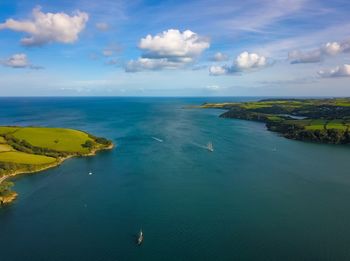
pixel 175 48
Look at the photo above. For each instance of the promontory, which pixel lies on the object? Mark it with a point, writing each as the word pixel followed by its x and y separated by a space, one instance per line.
pixel 33 149
pixel 316 120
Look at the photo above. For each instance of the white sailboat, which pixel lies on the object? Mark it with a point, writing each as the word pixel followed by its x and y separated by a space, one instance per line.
pixel 140 238
pixel 210 146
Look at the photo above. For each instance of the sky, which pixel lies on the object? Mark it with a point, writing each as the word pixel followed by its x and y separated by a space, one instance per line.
pixel 175 48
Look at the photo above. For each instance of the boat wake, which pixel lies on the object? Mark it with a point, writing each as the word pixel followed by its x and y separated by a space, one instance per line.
pixel 209 146
pixel 157 139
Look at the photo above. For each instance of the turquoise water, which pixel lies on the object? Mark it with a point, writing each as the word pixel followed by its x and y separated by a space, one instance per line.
pixel 258 196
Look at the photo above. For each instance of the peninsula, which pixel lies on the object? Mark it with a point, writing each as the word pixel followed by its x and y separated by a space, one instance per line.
pixel 33 149
pixel 316 120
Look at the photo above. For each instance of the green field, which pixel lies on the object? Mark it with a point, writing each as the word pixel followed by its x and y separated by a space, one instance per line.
pixel 57 139
pixel 39 145
pixel 25 158
pixel 5 130
pixel 337 124
pixel 316 125
pixel 5 147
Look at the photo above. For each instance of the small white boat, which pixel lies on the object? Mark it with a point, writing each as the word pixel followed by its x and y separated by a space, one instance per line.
pixel 90 173
pixel 157 139
pixel 140 238
pixel 210 147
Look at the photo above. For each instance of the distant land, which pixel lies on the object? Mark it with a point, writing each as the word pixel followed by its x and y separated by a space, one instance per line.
pixel 33 149
pixel 316 120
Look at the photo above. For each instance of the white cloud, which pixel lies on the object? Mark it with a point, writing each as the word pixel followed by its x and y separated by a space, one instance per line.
pixel 217 70
pixel 317 55
pixel 339 71
pixel 332 48
pixel 170 49
pixel 19 60
pixel 244 62
pixel 103 27
pixel 142 64
pixel 48 27
pixel 219 57
pixel 250 60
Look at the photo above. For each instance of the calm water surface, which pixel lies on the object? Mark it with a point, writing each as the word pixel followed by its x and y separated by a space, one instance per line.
pixel 258 196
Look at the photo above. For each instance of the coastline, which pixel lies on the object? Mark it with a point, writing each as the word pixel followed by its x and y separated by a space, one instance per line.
pixel 13 196
pixel 323 121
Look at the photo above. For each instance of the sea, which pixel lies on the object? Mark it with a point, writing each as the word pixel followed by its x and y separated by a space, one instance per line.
pixel 257 196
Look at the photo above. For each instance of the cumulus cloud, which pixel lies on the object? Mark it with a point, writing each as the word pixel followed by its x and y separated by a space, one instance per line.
pixel 250 60
pixel 219 57
pixel 339 71
pixel 170 49
pixel 317 55
pixel 150 64
pixel 243 62
pixel 218 70
pixel 103 27
pixel 332 48
pixel 44 28
pixel 19 60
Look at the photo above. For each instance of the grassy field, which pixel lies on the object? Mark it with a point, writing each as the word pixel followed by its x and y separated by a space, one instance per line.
pixel 38 146
pixel 5 130
pixel 25 158
pixel 316 125
pixel 57 139
pixel 5 147
pixel 337 124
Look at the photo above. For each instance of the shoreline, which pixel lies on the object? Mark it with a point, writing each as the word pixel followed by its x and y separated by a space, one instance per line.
pixel 49 166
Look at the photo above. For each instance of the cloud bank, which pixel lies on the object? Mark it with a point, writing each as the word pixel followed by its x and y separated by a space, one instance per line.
pixel 317 55
pixel 339 71
pixel 170 49
pixel 44 28
pixel 244 62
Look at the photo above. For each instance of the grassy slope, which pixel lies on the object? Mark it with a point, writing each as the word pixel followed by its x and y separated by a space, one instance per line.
pixel 57 139
pixel 5 147
pixel 5 130
pixel 25 158
pixel 54 138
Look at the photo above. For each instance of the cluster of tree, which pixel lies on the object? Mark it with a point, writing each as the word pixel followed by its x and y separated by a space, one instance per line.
pixel 5 188
pixel 240 113
pixel 297 132
pixel 6 167
pixel 309 111
pixel 100 140
pixel 24 146
pixel 88 144
pixel 10 167
pixel 293 131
